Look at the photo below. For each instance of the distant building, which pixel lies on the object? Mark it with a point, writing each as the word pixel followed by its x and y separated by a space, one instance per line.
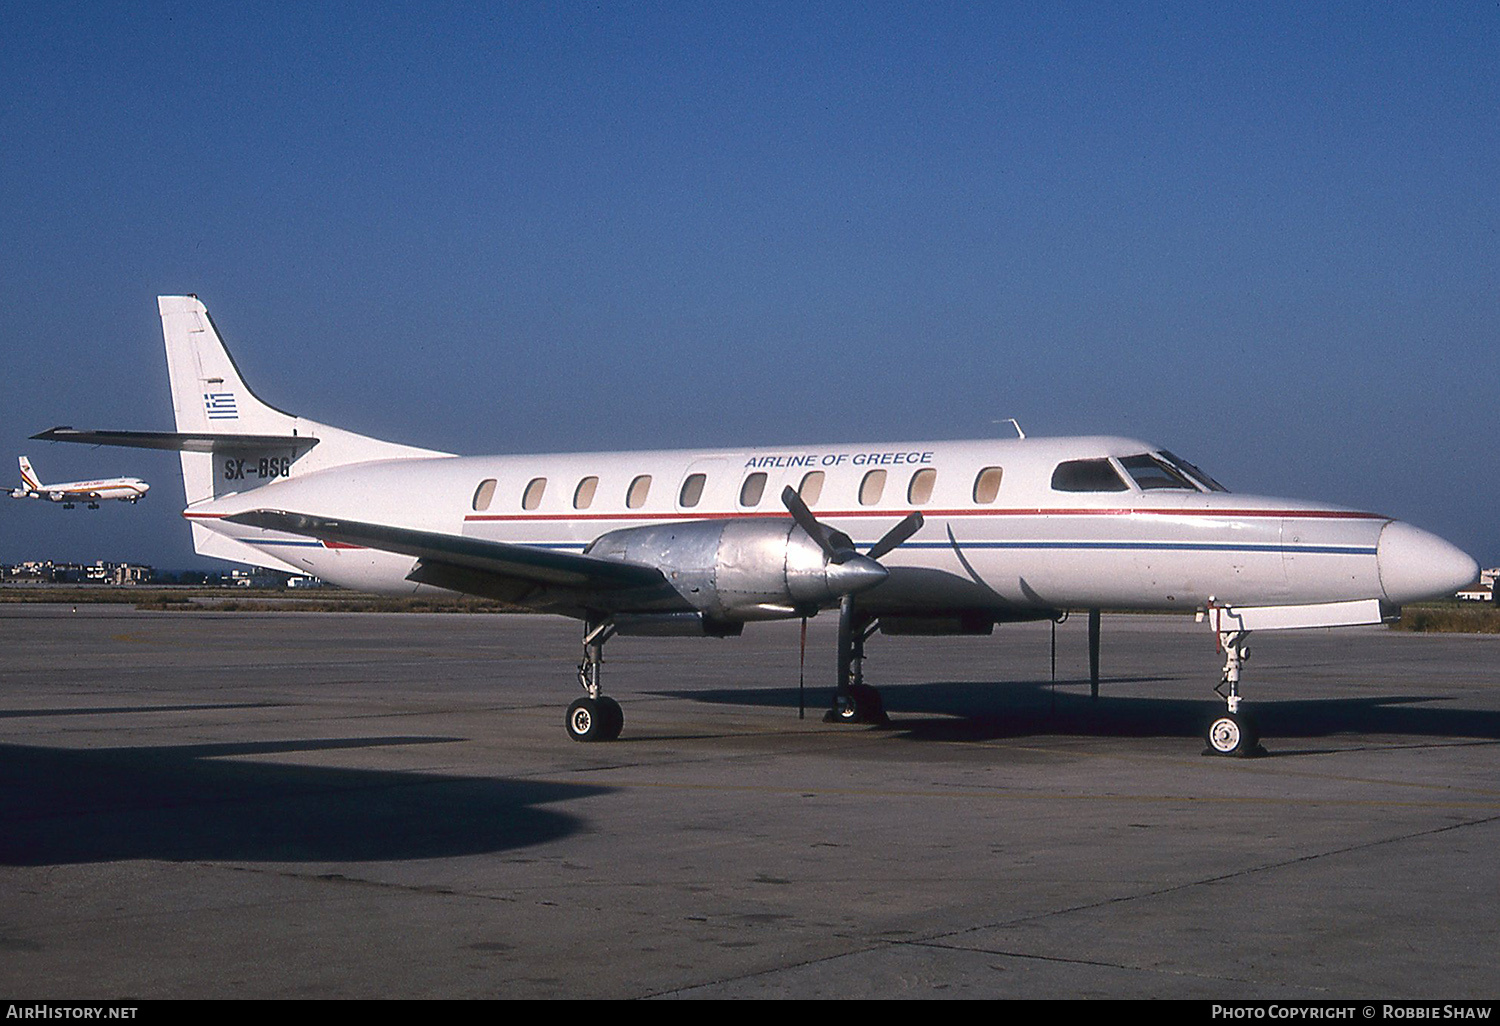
pixel 128 573
pixel 1484 591
pixel 98 572
pixel 116 573
pixel 261 577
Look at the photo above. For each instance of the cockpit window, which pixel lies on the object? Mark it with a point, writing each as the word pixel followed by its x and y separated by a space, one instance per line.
pixel 1192 471
pixel 1150 473
pixel 1088 476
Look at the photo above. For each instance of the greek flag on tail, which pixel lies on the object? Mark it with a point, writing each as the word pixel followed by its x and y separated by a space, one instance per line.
pixel 220 406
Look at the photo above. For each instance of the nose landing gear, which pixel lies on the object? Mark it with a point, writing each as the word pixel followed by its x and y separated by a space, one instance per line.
pixel 1233 732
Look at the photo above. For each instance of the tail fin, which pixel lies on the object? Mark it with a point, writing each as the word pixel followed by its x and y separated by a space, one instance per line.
pixel 28 476
pixel 253 443
pixel 209 396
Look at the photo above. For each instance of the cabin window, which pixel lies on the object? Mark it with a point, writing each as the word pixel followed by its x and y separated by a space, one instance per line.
pixel 871 488
pixel 919 492
pixel 987 485
pixel 635 498
pixel 1088 476
pixel 1150 473
pixel 583 495
pixel 811 488
pixel 484 494
pixel 531 498
pixel 692 489
pixel 753 488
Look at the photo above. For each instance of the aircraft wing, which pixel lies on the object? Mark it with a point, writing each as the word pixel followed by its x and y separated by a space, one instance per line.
pixel 522 575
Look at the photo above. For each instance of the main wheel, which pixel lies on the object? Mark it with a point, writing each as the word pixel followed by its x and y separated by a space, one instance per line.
pixel 1233 734
pixel 863 705
pixel 614 718
pixel 586 721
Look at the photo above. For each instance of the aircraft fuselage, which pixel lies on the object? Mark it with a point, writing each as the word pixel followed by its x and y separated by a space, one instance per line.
pixel 1010 542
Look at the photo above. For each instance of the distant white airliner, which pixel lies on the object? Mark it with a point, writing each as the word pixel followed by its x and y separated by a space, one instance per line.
pixel 911 538
pixel 126 489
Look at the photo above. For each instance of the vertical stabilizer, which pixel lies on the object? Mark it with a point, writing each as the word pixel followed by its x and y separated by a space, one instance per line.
pixel 28 476
pixel 209 396
pixel 208 393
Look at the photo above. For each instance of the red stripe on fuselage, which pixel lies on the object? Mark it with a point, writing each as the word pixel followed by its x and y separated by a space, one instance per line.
pixel 691 515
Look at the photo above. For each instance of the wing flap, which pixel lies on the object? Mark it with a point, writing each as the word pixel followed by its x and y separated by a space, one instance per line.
pixel 502 560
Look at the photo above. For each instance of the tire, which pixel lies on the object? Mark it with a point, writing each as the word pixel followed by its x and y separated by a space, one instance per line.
pixel 614 718
pixel 1232 734
pixel 586 721
pixel 863 705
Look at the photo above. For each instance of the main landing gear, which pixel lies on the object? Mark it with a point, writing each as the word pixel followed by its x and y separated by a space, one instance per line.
pixel 854 701
pixel 596 716
pixel 1233 732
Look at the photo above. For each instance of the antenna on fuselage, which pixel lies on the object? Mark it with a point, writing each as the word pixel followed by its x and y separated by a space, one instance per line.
pixel 1013 423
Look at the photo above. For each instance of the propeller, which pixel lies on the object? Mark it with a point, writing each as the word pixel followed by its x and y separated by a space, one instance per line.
pixel 856 572
pixel 838 546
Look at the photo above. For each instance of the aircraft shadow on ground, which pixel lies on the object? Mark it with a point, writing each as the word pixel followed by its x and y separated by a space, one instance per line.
pixel 115 710
pixel 188 803
pixel 980 711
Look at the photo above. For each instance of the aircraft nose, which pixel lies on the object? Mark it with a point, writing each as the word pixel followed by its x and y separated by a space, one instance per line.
pixel 1415 565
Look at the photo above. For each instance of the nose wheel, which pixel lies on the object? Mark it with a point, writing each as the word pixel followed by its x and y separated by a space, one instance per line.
pixel 1233 733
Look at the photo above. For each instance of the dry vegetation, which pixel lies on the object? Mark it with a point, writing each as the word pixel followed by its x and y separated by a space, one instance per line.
pixel 1450 618
pixel 324 600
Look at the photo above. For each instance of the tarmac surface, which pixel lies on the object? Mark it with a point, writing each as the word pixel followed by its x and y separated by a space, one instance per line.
pixel 310 805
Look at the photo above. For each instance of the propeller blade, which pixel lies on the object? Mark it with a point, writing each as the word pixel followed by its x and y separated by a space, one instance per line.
pixel 827 538
pixel 896 535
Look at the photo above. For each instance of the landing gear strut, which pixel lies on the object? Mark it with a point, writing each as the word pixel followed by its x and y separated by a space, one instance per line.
pixel 854 701
pixel 1233 732
pixel 595 717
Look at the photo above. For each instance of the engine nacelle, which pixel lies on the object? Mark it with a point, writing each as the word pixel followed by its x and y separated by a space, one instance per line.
pixel 754 568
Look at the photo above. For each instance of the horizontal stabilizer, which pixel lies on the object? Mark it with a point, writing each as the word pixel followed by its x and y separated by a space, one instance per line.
pixel 180 441
pixel 516 562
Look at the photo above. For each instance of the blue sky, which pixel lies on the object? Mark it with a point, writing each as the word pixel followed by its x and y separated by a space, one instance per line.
pixel 1264 236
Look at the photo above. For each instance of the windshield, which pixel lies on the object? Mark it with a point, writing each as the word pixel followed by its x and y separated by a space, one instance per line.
pixel 1192 471
pixel 1087 476
pixel 1150 473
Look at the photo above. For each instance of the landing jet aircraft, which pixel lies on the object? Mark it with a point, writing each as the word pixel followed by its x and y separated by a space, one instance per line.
pixel 914 538
pixel 126 489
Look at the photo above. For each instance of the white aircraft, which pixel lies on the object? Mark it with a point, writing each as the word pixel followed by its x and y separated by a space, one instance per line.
pixel 126 489
pixel 915 538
